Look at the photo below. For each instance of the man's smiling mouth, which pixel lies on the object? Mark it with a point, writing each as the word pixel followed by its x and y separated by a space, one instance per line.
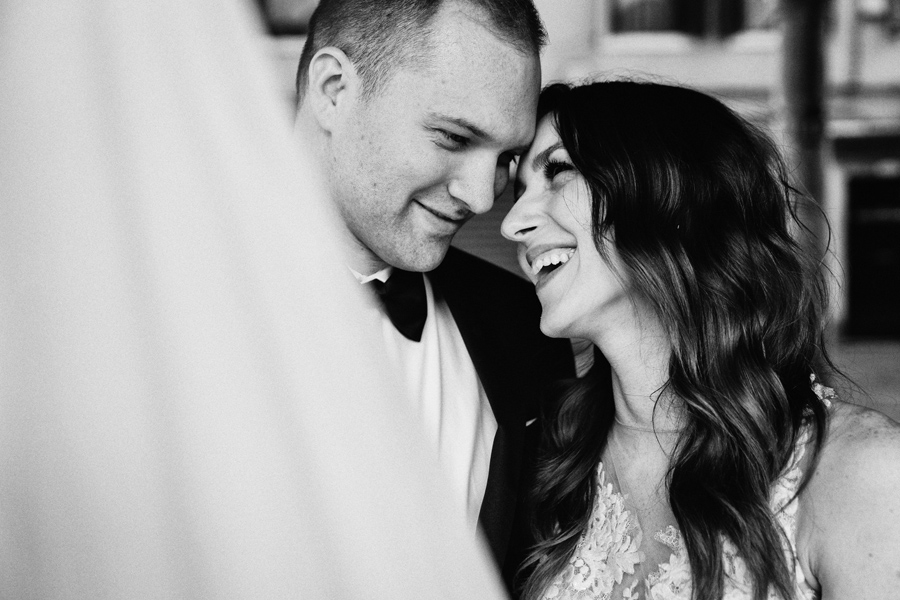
pixel 456 219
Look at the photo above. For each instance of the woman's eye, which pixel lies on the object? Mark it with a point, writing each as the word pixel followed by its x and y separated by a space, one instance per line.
pixel 555 167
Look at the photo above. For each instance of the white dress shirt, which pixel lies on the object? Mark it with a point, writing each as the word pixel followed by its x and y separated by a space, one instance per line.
pixel 443 384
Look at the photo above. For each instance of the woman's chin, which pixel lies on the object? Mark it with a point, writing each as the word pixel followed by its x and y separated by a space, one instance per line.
pixel 554 327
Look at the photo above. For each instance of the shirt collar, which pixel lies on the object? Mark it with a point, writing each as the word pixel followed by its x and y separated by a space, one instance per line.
pixel 381 275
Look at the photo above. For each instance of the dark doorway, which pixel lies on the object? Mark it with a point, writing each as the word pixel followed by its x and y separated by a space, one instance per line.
pixel 874 256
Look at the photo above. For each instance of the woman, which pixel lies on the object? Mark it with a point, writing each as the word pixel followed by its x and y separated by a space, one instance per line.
pixel 701 459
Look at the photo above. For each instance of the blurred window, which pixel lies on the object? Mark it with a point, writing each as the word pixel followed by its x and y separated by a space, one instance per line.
pixel 705 18
pixel 874 256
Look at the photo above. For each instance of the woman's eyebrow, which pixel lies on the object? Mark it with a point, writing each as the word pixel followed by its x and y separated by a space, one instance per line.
pixel 537 164
pixel 543 157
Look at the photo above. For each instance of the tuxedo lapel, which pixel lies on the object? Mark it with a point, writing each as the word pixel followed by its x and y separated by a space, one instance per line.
pixel 498 316
pixel 496 516
pixel 495 366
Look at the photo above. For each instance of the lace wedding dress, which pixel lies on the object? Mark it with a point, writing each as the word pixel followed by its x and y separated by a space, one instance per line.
pixel 610 558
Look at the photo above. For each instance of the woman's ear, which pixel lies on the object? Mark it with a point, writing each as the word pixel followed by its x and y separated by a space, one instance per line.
pixel 332 84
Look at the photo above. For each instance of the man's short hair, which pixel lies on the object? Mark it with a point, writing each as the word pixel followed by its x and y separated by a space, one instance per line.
pixel 380 35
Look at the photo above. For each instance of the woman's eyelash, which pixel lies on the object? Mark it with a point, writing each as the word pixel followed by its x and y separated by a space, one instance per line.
pixel 552 168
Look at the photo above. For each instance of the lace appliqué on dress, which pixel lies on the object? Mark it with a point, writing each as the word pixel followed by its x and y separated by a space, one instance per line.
pixel 606 552
pixel 672 579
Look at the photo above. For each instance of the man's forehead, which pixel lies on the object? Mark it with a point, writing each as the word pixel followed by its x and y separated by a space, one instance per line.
pixel 475 79
pixel 466 27
pixel 471 15
pixel 488 102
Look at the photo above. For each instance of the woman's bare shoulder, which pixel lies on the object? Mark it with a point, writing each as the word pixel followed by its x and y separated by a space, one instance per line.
pixel 861 448
pixel 852 504
pixel 854 429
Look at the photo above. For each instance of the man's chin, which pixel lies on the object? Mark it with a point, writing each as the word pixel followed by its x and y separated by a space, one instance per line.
pixel 423 260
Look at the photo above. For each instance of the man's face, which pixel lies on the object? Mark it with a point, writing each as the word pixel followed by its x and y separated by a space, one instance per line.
pixel 432 148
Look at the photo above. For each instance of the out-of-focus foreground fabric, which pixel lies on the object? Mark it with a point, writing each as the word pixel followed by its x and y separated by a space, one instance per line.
pixel 189 406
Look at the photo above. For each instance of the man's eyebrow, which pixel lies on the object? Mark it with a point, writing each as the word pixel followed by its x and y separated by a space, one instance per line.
pixel 543 157
pixel 462 123
pixel 475 130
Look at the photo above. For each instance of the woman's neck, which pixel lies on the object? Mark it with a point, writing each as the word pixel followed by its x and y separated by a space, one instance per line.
pixel 638 352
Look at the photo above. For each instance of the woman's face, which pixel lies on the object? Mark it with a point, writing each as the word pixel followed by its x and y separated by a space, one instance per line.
pixel 580 291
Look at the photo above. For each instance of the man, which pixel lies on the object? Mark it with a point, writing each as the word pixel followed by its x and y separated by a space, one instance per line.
pixel 416 109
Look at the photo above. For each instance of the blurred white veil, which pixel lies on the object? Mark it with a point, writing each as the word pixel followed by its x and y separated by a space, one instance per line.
pixel 189 406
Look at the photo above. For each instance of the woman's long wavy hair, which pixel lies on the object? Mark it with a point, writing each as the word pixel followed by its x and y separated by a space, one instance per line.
pixel 704 220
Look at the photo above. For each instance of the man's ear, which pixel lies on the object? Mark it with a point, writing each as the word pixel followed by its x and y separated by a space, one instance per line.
pixel 332 84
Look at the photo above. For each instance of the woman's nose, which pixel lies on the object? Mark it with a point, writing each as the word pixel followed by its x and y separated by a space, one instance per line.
pixel 519 221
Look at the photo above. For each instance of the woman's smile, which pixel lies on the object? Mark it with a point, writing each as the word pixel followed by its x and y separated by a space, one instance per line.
pixel 550 260
pixel 551 221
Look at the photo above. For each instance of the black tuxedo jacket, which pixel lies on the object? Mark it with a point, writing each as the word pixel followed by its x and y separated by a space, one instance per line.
pixel 498 315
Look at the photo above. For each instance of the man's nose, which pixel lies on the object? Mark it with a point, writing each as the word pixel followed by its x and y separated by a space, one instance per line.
pixel 475 185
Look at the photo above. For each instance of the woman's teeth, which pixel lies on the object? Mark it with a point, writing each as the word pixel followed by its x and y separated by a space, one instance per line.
pixel 554 257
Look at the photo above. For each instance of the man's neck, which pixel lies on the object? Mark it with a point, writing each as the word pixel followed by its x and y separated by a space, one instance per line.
pixel 358 257
pixel 365 263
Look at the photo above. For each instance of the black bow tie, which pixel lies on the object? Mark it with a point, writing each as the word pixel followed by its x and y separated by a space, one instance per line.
pixel 403 295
